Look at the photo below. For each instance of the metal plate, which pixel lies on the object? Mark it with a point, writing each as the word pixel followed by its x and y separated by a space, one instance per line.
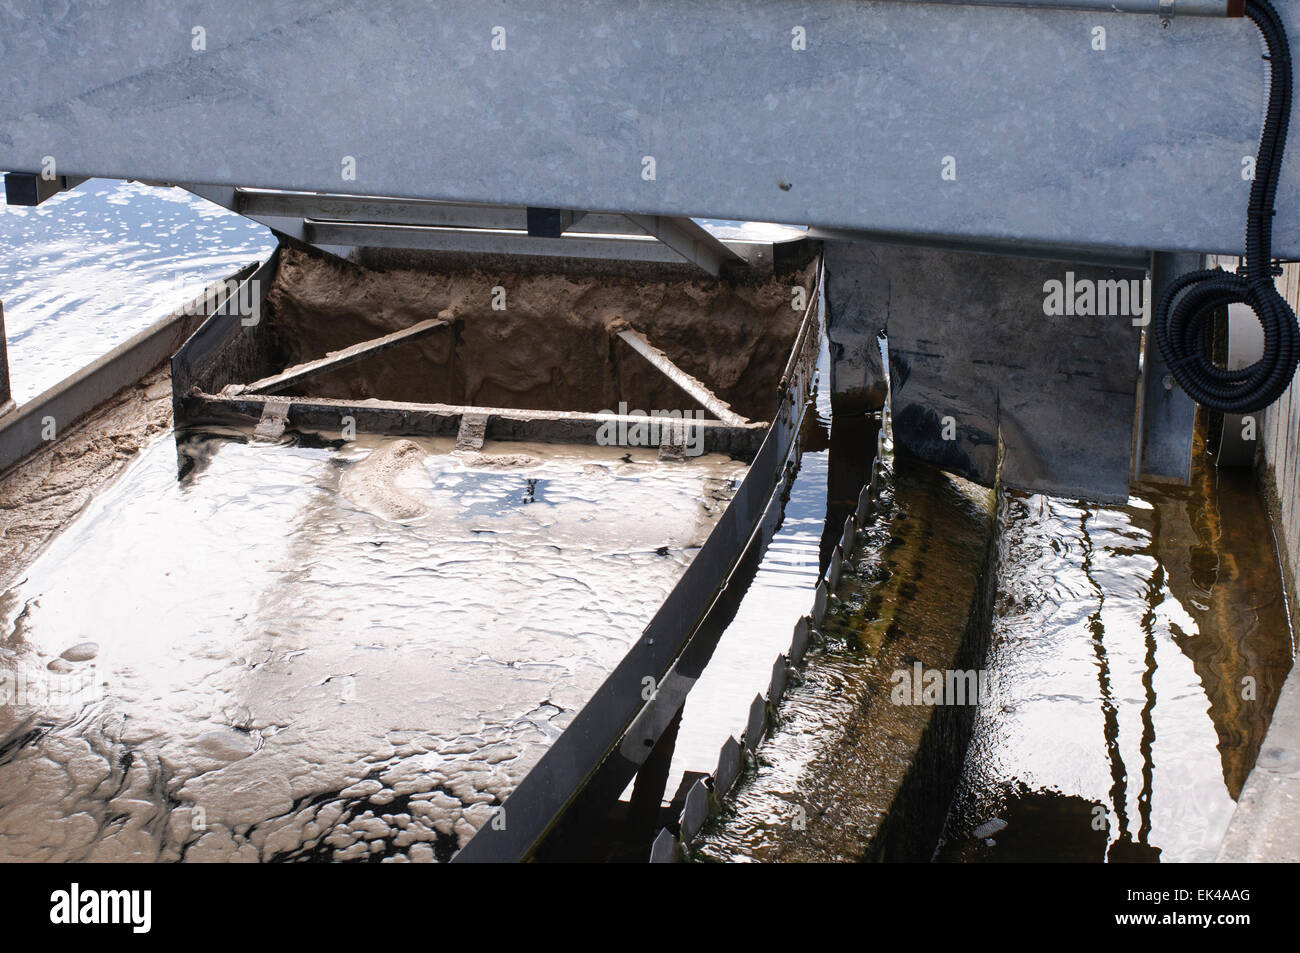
pixel 696 811
pixel 756 723
pixel 728 770
pixel 780 676
pixel 664 848
pixel 1164 428
pixel 1054 142
pixel 799 644
pixel 976 362
pixel 1239 434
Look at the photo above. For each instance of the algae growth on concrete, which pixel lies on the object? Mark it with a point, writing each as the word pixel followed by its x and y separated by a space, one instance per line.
pixel 848 774
pixel 325 650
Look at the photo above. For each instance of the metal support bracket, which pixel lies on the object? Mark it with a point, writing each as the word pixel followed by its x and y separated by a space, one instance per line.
pixel 1166 415
pixel 32 188
pixel 342 358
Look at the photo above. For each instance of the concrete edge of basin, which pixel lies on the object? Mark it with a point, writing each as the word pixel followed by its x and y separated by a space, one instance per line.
pixel 1263 828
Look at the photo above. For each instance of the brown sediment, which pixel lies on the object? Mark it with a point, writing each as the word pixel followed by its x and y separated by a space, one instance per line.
pixel 388 483
pixel 41 494
pixel 552 347
pixel 285 674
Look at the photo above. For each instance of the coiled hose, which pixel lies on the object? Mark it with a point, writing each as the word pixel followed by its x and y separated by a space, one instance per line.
pixel 1184 311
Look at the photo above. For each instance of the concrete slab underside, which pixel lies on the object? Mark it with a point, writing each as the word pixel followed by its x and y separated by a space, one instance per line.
pixel 1051 140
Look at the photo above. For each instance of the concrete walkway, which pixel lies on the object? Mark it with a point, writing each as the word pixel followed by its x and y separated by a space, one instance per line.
pixel 1266 824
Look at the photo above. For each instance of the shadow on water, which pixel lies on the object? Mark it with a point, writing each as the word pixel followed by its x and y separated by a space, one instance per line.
pixel 852 446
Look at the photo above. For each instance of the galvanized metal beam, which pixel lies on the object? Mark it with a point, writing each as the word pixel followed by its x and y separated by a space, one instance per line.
pixel 1161 8
pixel 310 216
pixel 962 122
pixel 262 203
pixel 693 242
pixel 484 241
pixel 286 222
pixel 1007 248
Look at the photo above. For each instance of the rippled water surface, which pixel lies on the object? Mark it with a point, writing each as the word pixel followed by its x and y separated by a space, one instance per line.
pixel 86 269
pixel 779 593
pixel 260 663
pixel 1136 657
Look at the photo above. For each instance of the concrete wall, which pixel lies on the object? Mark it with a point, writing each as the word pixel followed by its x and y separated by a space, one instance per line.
pixel 1266 824
pixel 1280 466
pixel 1278 461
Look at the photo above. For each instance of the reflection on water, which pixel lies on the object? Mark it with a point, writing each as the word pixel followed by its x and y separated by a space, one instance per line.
pixel 831 771
pixel 777 596
pixel 86 269
pixel 292 668
pixel 1136 657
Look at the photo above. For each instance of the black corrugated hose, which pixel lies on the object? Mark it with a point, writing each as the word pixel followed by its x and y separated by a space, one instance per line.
pixel 1186 308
